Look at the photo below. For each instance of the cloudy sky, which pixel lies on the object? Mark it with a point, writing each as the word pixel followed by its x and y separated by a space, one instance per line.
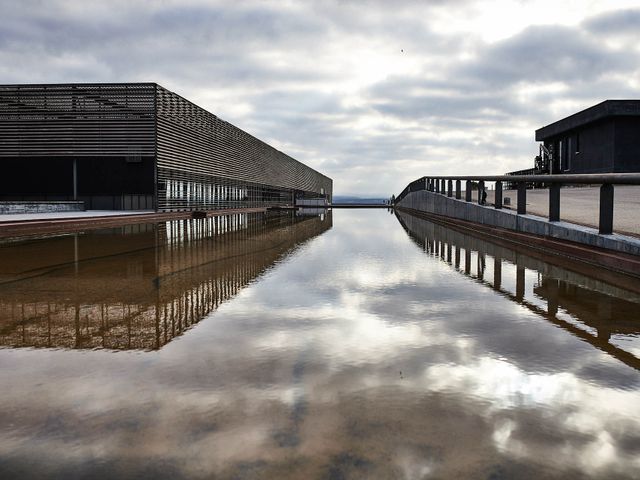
pixel 374 94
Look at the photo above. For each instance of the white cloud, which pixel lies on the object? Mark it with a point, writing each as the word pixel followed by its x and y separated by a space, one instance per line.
pixel 374 94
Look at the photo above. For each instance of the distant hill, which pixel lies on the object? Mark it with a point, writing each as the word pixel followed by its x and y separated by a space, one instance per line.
pixel 347 199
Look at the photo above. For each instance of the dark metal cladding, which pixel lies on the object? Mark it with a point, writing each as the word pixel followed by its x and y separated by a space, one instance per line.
pixel 600 139
pixel 101 135
pixel 608 108
pixel 205 162
pixel 79 120
pixel 138 146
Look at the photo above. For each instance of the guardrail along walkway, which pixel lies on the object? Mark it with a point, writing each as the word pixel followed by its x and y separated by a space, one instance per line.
pixel 604 213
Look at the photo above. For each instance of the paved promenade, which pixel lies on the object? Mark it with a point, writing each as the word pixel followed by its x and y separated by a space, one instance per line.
pixel 581 205
pixel 19 217
pixel 66 222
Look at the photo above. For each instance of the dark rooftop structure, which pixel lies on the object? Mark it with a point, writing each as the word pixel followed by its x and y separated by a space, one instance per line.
pixel 604 138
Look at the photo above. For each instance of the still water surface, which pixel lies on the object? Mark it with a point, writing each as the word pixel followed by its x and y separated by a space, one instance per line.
pixel 359 344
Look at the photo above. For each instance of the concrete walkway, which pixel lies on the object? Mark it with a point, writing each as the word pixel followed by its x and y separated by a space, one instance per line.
pixel 19 217
pixel 22 225
pixel 581 205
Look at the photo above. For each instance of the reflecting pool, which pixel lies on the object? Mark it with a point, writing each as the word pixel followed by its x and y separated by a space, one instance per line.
pixel 352 344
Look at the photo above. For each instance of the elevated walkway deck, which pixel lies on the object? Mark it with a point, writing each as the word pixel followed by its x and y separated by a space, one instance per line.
pixel 580 206
pixel 616 252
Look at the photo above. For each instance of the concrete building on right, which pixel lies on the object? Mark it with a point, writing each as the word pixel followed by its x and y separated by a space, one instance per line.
pixel 604 138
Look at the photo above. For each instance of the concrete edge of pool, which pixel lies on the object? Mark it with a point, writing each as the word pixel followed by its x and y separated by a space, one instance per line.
pixel 609 261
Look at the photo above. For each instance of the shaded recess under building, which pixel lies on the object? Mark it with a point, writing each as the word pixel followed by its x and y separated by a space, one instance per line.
pixel 601 313
pixel 138 146
pixel 138 286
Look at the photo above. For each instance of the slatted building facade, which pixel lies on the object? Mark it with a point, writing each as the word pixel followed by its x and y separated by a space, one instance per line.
pixel 138 146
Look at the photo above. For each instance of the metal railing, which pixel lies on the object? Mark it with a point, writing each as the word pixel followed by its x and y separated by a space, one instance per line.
pixel 445 185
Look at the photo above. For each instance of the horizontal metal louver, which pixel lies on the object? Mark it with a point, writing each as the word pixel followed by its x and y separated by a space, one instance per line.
pixel 83 120
pixel 195 142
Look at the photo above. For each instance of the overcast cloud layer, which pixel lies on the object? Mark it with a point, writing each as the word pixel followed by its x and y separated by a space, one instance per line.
pixel 372 94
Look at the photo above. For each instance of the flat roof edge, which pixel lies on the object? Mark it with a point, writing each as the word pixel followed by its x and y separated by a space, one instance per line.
pixel 78 84
pixel 607 108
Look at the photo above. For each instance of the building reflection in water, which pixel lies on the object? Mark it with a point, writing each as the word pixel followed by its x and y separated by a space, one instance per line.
pixel 570 295
pixel 139 286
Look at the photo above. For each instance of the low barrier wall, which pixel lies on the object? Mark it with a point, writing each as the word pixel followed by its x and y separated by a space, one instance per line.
pixel 40 207
pixel 437 204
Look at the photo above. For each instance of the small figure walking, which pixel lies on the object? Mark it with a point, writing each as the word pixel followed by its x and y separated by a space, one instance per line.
pixel 483 199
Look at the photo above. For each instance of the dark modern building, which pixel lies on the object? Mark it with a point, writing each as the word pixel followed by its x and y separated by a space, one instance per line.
pixel 604 138
pixel 138 146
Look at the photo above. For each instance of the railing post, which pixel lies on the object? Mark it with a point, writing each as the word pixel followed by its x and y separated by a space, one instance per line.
pixel 458 190
pixel 522 198
pixel 552 298
pixel 467 192
pixel 606 209
pixel 467 261
pixel 443 188
pixel 437 185
pixel 480 190
pixel 497 272
pixel 520 282
pixel 554 202
pixel 498 195
pixel 449 188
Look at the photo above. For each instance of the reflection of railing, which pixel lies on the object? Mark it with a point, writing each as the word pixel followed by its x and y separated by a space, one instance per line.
pixel 605 308
pixel 138 289
pixel 445 186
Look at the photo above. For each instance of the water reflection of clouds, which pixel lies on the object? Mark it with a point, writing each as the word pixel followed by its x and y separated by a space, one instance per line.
pixel 352 334
pixel 383 373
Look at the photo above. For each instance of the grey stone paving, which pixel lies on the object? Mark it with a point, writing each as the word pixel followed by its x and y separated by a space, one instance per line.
pixel 60 215
pixel 581 205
